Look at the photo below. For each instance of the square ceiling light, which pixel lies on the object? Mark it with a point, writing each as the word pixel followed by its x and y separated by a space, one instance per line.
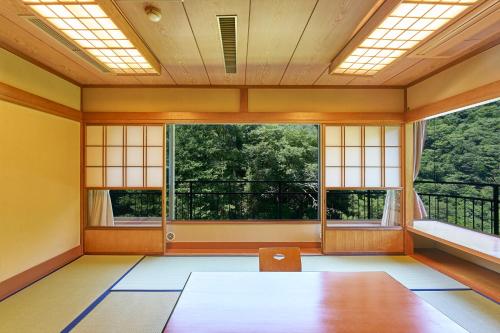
pixel 407 25
pixel 87 24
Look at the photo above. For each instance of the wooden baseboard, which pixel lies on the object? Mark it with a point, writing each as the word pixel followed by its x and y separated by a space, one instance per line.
pixel 240 245
pixel 24 279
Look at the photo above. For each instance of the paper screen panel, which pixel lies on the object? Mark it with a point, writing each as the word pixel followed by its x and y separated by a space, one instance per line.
pixel 392 177
pixel 352 156
pixel 333 176
pixel 392 157
pixel 135 156
pixel 93 177
pixel 333 156
pixel 352 177
pixel 154 136
pixel 93 156
pixel 134 177
pixel 373 177
pixel 114 135
pixel 154 156
pixel 352 136
pixel 154 176
pixel 94 135
pixel 333 136
pixel 373 136
pixel 114 156
pixel 392 136
pixel 114 176
pixel 135 136
pixel 373 156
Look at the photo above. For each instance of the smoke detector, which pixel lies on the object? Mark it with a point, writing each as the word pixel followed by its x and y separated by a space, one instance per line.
pixel 153 13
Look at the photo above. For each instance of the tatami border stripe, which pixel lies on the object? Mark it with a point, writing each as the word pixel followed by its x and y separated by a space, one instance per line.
pixel 98 300
pixel 175 305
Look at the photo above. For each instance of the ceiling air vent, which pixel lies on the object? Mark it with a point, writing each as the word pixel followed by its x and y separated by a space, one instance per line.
pixel 61 39
pixel 227 29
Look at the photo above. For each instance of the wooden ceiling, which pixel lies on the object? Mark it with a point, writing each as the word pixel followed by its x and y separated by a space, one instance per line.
pixel 280 42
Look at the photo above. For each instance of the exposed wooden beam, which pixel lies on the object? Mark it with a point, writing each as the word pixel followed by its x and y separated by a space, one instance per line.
pixel 24 98
pixel 244 100
pixel 382 12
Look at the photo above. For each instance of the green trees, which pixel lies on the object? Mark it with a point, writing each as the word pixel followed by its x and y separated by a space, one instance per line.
pixel 217 154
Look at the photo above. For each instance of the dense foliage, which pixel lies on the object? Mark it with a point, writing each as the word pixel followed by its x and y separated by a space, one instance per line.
pixel 462 147
pixel 246 171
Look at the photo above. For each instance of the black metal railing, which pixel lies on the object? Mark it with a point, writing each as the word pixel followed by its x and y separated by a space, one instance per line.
pixel 136 203
pixel 355 205
pixel 246 200
pixel 470 205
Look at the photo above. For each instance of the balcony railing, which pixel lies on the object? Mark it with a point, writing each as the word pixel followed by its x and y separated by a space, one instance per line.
pixel 246 200
pixel 470 205
pixel 135 204
pixel 354 205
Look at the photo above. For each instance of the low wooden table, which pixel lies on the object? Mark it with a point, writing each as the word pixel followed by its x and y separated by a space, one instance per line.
pixel 307 302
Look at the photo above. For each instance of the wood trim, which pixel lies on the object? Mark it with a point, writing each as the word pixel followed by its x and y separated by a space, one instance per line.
pixel 478 278
pixel 227 86
pixel 484 93
pixel 124 240
pixel 243 100
pixel 382 12
pixel 455 245
pixel 322 174
pixel 494 42
pixel 243 117
pixel 20 97
pixel 38 64
pixel 239 245
pixel 35 273
pixel 257 222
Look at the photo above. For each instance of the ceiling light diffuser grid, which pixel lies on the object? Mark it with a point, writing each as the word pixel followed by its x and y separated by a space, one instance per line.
pixel 84 22
pixel 408 24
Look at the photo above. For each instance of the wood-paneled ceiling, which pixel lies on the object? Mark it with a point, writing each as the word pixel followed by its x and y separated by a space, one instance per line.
pixel 279 42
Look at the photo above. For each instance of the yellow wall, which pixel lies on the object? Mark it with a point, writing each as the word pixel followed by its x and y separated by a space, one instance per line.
pixel 472 73
pixel 160 100
pixel 40 192
pixel 326 100
pixel 246 232
pixel 22 74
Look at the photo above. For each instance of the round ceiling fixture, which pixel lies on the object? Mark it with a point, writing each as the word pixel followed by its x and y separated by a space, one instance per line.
pixel 153 13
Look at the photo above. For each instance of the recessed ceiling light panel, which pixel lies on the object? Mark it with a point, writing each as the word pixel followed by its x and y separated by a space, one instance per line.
pixel 408 24
pixel 88 25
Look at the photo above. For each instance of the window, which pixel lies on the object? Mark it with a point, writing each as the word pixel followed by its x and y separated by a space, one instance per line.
pixel 124 156
pixel 363 156
pixel 246 172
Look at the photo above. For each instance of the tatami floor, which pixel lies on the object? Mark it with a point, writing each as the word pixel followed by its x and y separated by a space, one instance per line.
pixel 137 294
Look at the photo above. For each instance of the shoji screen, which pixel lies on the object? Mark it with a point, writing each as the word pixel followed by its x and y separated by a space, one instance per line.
pixel 363 156
pixel 124 156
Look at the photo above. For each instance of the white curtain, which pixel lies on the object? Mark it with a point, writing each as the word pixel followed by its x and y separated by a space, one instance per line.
pixel 100 211
pixel 419 127
pixel 392 208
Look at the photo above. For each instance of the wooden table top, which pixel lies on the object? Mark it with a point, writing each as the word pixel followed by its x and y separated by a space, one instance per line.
pixel 306 302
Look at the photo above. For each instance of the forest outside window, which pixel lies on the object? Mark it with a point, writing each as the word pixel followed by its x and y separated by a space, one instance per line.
pixel 246 172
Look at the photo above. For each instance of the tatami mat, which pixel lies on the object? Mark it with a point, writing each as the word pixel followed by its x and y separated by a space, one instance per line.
pixel 142 312
pixel 474 312
pixel 53 302
pixel 171 273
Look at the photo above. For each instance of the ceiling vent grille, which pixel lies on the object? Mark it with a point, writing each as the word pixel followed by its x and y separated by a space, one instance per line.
pixel 227 29
pixel 61 39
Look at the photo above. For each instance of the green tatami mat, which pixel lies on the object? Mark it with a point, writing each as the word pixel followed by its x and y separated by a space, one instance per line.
pixel 53 302
pixel 475 313
pixel 171 273
pixel 144 312
pixel 408 271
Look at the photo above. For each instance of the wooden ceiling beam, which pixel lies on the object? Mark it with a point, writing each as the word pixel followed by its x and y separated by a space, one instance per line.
pixel 378 17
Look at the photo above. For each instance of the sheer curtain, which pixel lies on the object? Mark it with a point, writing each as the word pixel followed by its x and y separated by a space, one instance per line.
pixel 100 211
pixel 392 208
pixel 419 128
